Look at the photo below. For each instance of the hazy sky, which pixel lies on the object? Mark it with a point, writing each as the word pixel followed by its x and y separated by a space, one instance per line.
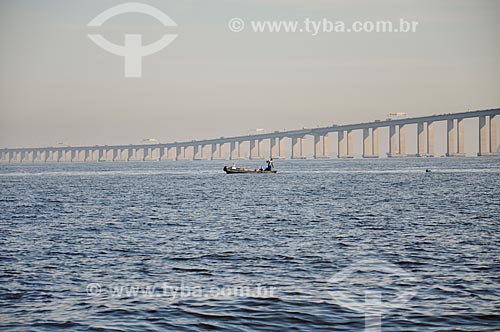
pixel 58 86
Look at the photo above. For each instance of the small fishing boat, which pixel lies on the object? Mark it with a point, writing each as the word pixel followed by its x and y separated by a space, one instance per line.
pixel 238 170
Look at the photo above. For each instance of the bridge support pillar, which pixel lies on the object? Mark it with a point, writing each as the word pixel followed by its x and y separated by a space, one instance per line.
pixel 189 152
pixel 241 150
pixel 350 143
pixel 326 146
pixel 85 155
pixel 104 156
pixel 170 153
pixel 162 153
pixel 341 144
pixel 232 151
pixel 392 141
pixel 430 139
pixel 303 152
pixel 450 137
pixel 273 146
pixel 366 143
pixel 108 155
pixel 317 146
pixel 222 151
pixel 488 136
pixel 420 140
pixel 493 135
pixel 114 154
pixel 295 147
pixel 370 143
pixel 483 140
pixel 73 155
pixel 298 148
pixel 260 149
pixel 178 153
pixel 204 152
pixel 402 140
pixel 215 151
pixel 321 146
pixel 196 152
pixel 253 150
pixel 281 152
pixel 375 142
pixel 156 153
pixel 460 138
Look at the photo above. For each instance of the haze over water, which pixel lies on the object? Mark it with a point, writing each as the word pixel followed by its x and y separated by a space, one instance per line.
pixel 64 227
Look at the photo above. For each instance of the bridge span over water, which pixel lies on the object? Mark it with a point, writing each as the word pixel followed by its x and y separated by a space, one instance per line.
pixel 235 147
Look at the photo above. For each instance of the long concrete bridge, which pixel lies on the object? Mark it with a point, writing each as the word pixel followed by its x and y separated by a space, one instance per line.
pixel 215 149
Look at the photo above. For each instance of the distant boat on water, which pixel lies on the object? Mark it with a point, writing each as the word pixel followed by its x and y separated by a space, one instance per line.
pixel 239 170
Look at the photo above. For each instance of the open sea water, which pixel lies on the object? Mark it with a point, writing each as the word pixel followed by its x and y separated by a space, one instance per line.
pixel 332 245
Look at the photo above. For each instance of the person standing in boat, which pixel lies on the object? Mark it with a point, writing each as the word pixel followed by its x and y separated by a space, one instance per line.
pixel 270 165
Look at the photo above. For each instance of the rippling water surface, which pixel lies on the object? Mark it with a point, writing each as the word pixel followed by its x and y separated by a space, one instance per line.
pixel 184 247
